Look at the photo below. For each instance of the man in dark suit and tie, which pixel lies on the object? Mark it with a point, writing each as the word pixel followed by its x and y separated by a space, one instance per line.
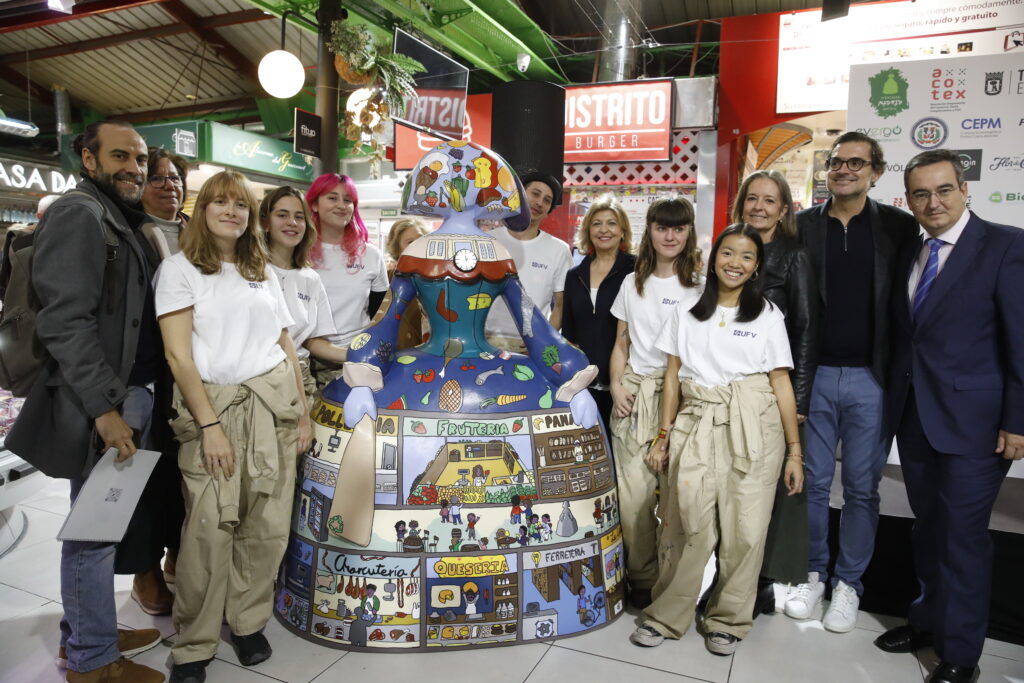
pixel 956 399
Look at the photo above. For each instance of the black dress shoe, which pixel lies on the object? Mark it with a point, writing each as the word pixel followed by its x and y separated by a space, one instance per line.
pixel 252 649
pixel 903 638
pixel 764 602
pixel 953 673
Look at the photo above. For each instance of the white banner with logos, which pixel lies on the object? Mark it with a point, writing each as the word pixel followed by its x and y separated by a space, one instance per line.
pixel 815 57
pixel 974 105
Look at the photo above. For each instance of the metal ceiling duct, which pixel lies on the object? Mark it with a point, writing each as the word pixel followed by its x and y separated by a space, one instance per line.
pixel 62 110
pixel 620 34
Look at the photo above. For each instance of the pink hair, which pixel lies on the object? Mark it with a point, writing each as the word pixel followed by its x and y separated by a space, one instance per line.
pixel 355 237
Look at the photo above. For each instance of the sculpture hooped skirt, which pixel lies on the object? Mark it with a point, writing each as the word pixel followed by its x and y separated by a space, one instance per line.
pixel 480 530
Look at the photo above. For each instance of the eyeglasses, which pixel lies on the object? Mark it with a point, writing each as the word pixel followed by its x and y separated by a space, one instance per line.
pixel 924 197
pixel 162 180
pixel 854 164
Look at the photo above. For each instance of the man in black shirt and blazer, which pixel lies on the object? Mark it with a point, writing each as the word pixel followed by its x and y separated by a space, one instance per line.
pixel 853 242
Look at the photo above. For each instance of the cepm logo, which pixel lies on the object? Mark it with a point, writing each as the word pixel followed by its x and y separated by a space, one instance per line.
pixel 929 133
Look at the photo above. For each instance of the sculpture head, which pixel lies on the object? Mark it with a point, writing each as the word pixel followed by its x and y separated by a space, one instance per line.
pixel 461 182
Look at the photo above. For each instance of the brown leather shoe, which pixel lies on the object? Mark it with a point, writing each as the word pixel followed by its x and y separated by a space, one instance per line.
pixel 129 641
pixel 121 671
pixel 151 592
pixel 169 560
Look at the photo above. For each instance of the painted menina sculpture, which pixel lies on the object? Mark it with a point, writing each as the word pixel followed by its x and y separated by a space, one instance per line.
pixel 456 494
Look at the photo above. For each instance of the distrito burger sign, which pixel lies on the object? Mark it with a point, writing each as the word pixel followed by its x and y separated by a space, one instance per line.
pixel 629 121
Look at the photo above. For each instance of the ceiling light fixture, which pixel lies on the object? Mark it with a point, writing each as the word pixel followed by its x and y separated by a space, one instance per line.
pixel 24 129
pixel 280 72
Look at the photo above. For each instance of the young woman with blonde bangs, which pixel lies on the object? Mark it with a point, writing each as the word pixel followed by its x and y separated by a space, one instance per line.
pixel 290 237
pixel 414 327
pixel 240 415
pixel 666 277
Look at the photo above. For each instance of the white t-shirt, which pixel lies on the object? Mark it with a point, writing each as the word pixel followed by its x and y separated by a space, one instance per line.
pixel 235 323
pixel 713 355
pixel 307 303
pixel 542 263
pixel 646 315
pixel 348 288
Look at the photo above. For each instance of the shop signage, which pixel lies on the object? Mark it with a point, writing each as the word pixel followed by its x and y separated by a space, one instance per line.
pixel 411 144
pixel 815 57
pixel 307 133
pixel 15 175
pixel 181 138
pixel 257 153
pixel 619 121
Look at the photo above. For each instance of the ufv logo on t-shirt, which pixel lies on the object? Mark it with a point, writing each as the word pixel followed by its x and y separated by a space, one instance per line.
pixel 304 297
pixel 744 333
pixel 539 265
pixel 670 302
pixel 256 285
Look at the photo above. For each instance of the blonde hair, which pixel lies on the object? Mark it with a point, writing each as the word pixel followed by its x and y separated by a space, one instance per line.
pixel 300 254
pixel 395 236
pixel 583 240
pixel 197 242
pixel 787 224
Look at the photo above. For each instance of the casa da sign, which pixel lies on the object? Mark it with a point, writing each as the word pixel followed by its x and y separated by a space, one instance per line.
pixel 47 180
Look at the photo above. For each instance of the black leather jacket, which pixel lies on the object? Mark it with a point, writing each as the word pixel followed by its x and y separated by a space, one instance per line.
pixel 789 284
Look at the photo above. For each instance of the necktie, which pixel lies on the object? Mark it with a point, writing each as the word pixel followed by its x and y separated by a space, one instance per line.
pixel 931 270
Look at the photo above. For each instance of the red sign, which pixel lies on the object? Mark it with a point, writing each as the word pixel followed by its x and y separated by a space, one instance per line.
pixel 619 122
pixel 411 144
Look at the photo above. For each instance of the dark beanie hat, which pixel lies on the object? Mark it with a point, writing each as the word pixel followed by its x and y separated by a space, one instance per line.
pixel 541 177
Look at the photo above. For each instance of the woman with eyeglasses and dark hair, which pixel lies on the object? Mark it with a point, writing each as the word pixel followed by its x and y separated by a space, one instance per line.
pixel 156 523
pixel 721 448
pixel 162 198
pixel 353 270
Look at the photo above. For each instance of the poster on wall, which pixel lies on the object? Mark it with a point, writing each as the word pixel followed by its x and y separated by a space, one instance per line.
pixel 974 105
pixel 815 57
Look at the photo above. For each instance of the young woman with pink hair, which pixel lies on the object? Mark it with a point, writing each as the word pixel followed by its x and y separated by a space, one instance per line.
pixel 353 271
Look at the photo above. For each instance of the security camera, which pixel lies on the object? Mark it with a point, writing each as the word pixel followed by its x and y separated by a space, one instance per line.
pixel 523 61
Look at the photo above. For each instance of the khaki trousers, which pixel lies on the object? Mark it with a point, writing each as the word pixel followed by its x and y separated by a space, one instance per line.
pixel 725 451
pixel 631 439
pixel 236 531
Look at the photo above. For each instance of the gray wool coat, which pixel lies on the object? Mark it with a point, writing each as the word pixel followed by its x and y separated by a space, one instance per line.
pixel 88 322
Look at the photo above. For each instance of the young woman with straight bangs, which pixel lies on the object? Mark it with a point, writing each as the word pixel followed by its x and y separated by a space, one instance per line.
pixel 666 277
pixel 721 449
pixel 240 415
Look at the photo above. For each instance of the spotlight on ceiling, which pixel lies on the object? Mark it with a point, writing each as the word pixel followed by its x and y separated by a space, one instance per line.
pixel 64 6
pixel 24 129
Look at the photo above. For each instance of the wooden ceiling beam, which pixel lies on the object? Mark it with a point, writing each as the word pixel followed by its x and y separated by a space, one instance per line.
pixel 47 17
pixel 217 21
pixel 176 112
pixel 178 10
pixel 17 79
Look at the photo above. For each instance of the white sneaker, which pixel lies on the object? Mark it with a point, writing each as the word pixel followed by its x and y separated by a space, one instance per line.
pixel 841 616
pixel 804 599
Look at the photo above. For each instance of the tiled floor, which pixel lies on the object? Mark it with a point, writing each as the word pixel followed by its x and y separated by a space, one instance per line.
pixel 778 650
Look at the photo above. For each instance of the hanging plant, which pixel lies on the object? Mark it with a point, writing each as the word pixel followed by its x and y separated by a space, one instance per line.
pixel 388 77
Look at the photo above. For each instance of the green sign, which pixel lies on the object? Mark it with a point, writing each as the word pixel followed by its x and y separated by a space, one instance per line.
pixel 179 138
pixel 889 93
pixel 254 153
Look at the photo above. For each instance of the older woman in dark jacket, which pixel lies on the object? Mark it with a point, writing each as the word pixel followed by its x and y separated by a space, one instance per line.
pixel 590 290
pixel 764 201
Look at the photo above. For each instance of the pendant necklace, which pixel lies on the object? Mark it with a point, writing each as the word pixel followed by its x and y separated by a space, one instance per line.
pixel 721 323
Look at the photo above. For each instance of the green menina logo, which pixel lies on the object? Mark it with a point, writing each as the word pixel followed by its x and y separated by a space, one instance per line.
pixel 889 93
pixel 995 197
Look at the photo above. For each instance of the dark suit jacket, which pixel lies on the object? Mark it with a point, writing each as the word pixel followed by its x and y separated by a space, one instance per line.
pixel 88 322
pixel 891 228
pixel 965 352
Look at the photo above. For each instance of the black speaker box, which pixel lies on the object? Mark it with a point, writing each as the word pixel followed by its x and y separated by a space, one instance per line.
pixel 528 126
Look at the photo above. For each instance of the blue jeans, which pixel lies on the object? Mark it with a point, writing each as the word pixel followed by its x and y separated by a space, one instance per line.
pixel 846 406
pixel 88 630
